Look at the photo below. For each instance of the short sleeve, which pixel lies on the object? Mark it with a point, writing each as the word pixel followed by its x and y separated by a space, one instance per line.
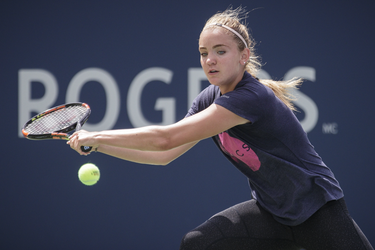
pixel 244 101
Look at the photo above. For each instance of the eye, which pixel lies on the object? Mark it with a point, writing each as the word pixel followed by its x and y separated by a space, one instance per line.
pixel 203 54
pixel 221 52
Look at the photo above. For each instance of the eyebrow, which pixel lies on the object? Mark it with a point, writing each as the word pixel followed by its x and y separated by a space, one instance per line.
pixel 214 47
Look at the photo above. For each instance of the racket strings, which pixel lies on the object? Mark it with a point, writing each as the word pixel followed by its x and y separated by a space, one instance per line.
pixel 57 120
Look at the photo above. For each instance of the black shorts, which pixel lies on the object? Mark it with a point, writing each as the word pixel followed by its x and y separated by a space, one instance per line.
pixel 248 226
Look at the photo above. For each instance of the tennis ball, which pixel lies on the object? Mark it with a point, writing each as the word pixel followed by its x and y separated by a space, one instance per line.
pixel 89 174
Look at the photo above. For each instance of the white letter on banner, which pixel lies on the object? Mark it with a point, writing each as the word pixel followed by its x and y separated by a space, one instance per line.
pixel 134 104
pixel 195 77
pixel 26 105
pixel 303 101
pixel 111 90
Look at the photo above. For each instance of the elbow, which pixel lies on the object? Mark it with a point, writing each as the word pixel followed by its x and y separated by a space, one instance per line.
pixel 163 162
pixel 164 144
pixel 163 141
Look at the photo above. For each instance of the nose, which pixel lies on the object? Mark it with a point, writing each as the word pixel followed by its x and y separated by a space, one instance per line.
pixel 211 61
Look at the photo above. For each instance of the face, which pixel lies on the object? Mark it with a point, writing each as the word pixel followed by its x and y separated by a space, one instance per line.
pixel 221 59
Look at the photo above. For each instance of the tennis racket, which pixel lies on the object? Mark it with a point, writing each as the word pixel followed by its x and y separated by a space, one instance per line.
pixel 56 122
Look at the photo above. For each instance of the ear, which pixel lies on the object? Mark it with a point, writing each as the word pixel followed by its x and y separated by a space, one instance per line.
pixel 245 55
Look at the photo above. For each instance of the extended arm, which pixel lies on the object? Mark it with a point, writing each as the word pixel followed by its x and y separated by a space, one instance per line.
pixel 171 138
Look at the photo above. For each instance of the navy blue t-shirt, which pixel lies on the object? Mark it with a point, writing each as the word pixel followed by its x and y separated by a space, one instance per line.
pixel 287 177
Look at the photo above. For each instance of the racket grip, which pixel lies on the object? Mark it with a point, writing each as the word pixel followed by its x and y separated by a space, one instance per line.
pixel 86 149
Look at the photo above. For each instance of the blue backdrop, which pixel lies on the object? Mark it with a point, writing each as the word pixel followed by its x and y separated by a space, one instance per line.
pixel 137 63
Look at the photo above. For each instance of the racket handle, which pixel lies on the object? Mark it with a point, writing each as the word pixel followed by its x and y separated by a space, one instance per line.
pixel 86 149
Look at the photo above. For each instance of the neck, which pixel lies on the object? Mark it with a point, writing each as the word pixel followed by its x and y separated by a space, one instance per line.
pixel 230 87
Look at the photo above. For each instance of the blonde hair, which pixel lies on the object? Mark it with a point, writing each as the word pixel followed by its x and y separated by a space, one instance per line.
pixel 232 18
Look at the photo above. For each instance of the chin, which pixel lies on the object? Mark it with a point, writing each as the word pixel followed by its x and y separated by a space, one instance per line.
pixel 214 81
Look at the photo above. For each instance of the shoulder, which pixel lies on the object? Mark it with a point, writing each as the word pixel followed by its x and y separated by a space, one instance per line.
pixel 204 99
pixel 253 85
pixel 249 90
pixel 249 99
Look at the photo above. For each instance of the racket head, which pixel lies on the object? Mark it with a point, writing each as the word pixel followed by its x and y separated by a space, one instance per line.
pixel 56 122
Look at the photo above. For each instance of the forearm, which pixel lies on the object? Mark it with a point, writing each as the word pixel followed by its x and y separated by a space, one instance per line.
pixel 145 157
pixel 151 138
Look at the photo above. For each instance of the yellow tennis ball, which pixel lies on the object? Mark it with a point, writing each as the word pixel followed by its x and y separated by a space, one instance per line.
pixel 89 174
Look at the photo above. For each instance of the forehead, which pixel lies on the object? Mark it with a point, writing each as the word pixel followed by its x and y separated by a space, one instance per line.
pixel 215 35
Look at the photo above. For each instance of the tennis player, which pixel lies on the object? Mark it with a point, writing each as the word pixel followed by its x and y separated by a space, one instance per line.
pixel 297 202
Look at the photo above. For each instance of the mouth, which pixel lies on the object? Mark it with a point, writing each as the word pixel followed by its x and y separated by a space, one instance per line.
pixel 212 71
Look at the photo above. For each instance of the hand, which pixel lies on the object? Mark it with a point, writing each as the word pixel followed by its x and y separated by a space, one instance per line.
pixel 82 138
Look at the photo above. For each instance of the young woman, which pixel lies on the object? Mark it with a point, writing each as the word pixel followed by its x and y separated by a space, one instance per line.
pixel 297 202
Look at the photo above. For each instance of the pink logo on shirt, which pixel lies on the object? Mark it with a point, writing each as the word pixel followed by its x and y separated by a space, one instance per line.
pixel 239 151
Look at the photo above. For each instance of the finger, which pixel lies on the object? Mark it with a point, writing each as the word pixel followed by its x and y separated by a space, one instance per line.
pixel 73 135
pixel 73 143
